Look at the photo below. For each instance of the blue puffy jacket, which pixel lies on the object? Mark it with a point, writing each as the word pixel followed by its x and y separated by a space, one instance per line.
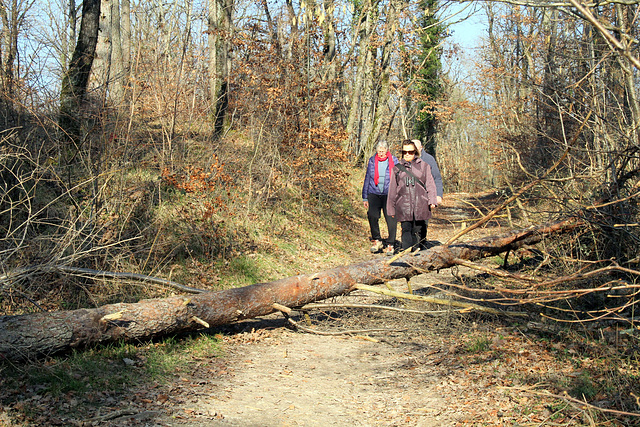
pixel 369 186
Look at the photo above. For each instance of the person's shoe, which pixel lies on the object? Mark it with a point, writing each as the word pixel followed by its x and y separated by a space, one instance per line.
pixel 377 245
pixel 388 251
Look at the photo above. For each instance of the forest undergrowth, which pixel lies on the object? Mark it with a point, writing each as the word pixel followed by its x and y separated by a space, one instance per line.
pixel 234 214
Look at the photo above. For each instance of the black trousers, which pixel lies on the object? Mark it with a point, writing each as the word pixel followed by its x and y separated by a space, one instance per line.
pixel 423 235
pixel 378 203
pixel 412 232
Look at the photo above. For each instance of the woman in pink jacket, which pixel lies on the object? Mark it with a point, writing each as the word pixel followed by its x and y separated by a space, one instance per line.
pixel 412 194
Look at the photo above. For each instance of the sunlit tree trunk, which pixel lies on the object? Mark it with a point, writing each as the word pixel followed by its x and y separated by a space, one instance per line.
pixel 102 60
pixel 116 67
pixel 125 37
pixel 76 79
pixel 361 88
pixel 44 333
pixel 625 23
pixel 220 33
pixel 112 64
pixel 12 16
pixel 9 48
pixel 294 30
pixel 375 118
pixel 330 64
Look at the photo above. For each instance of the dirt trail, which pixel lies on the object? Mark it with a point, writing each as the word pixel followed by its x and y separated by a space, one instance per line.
pixel 417 374
pixel 312 380
pixel 412 375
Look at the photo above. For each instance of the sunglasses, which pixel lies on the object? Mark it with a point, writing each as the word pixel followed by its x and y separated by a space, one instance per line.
pixel 412 152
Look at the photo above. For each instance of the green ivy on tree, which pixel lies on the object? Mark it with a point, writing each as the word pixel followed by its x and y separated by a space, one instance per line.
pixel 428 84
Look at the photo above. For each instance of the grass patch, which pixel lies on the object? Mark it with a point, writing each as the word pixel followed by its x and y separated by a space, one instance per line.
pixel 245 271
pixel 113 367
pixel 479 345
pixel 583 386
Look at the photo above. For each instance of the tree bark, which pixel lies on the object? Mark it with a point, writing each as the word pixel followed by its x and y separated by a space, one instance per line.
pixel 38 334
pixel 360 94
pixel 116 65
pixel 74 83
pixel 220 32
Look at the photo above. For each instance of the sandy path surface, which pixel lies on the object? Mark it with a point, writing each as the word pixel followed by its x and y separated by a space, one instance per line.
pixel 419 372
pixel 312 380
pixel 408 376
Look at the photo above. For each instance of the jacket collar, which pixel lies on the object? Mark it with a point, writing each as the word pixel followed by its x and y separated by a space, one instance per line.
pixel 415 160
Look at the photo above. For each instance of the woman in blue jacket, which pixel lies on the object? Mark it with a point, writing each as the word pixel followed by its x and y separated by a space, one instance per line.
pixel 374 196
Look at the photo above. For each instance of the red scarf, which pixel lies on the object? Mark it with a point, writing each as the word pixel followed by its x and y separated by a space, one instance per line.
pixel 376 178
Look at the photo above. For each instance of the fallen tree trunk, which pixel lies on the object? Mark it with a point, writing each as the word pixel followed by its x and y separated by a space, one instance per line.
pixel 45 333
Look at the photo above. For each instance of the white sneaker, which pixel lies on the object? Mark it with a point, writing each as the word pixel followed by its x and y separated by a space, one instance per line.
pixel 377 245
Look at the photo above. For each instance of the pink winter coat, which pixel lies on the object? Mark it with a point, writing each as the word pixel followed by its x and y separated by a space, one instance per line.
pixel 407 199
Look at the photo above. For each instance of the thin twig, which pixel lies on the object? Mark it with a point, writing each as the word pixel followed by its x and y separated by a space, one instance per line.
pixel 367 306
pixel 463 305
pixel 565 396
pixel 286 311
pixel 494 271
pixel 12 275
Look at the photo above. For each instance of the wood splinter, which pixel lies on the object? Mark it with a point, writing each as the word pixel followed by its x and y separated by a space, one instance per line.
pixel 200 321
pixel 282 308
pixel 113 316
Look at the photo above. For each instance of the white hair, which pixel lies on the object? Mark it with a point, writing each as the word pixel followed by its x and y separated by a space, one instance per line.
pixel 418 144
pixel 382 144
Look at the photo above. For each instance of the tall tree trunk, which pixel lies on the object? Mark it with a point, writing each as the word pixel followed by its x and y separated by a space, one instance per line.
pixel 12 16
pixel 125 37
pixel 116 67
pixel 102 60
pixel 599 150
pixel 8 43
pixel 294 36
pixel 381 91
pixel 76 79
pixel 69 35
pixel 220 33
pixel 428 79
pixel 547 110
pixel 629 75
pixel 330 66
pixel 274 28
pixel 361 92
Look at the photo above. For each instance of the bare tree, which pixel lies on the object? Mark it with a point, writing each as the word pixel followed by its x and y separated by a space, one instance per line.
pixel 220 32
pixel 76 79
pixel 12 17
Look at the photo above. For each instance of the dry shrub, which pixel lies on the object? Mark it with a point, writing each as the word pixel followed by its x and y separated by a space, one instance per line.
pixel 289 113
